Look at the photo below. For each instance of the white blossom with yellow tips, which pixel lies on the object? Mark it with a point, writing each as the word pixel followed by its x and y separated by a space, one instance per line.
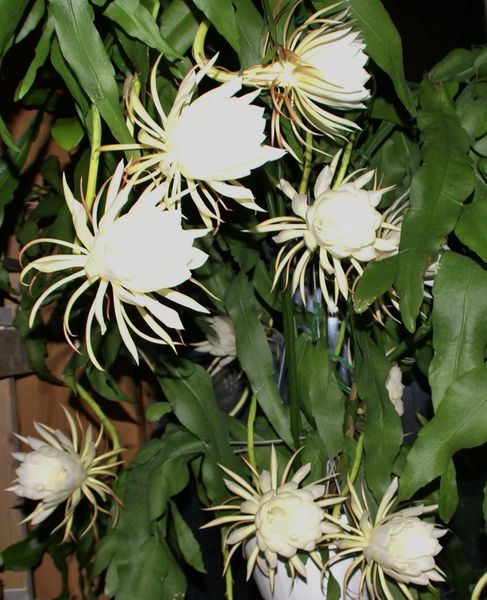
pixel 63 469
pixel 204 144
pixel 342 227
pixel 138 256
pixel 281 516
pixel 397 545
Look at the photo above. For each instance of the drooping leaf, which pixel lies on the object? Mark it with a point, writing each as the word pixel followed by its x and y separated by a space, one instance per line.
pixel 319 393
pixel 134 18
pixel 377 279
pixel 459 322
pixel 41 53
pixel 32 20
pixel 251 32
pixel 448 500
pixel 470 228
pixel 459 64
pixel 383 44
pixel 83 50
pixel 383 431
pixel 73 85
pixel 255 356
pixel 438 188
pixel 186 541
pixel 179 25
pixel 221 15
pixel 460 422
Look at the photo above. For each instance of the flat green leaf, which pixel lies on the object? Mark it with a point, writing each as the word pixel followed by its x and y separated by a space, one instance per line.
pixel 41 53
pixel 459 64
pixel 438 189
pixel 251 30
pixel 32 20
pixel 460 422
pixel 83 50
pixel 255 356
pixel 448 500
pixel 190 392
pixel 22 555
pixel 12 13
pixel 186 541
pixel 68 132
pixel 377 279
pixel 179 25
pixel 134 18
pixel 221 15
pixel 383 44
pixel 383 431
pixel 70 80
pixel 320 395
pixel 156 411
pixel 470 228
pixel 459 322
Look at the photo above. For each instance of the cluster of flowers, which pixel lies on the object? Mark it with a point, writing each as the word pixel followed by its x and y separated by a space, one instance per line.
pixel 201 149
pixel 285 519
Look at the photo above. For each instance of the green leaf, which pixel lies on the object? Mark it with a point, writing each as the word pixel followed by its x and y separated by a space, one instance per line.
pixel 134 18
pixel 438 188
pixel 68 132
pixel 255 356
pixel 221 15
pixel 251 29
pixel 448 500
pixel 460 422
pixel 383 44
pixel 12 162
pixel 484 507
pixel 179 25
pixel 12 13
pixel 156 411
pixel 459 64
pixel 186 541
pixel 23 555
pixel 83 49
pixel 459 322
pixel 377 279
pixel 106 386
pixel 32 20
pixel 190 393
pixel 70 80
pixel 319 393
pixel 470 228
pixel 6 136
pixel 41 53
pixel 383 431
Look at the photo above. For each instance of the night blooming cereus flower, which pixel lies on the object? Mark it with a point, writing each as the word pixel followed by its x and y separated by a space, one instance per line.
pixel 221 344
pixel 395 388
pixel 60 469
pixel 319 69
pixel 282 517
pixel 399 545
pixel 342 225
pixel 140 256
pixel 209 142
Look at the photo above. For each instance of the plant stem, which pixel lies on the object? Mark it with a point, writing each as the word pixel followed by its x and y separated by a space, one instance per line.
pixel 341 338
pixel 345 161
pixel 292 370
pixel 94 157
pixel 95 407
pixel 308 160
pixel 250 437
pixel 243 398
pixel 353 473
pixel 228 571
pixel 481 583
pixel 201 58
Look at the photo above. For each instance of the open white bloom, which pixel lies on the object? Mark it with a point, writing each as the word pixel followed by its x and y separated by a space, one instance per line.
pixel 283 517
pixel 342 227
pixel 319 69
pixel 395 388
pixel 399 545
pixel 139 256
pixel 221 344
pixel 59 469
pixel 209 142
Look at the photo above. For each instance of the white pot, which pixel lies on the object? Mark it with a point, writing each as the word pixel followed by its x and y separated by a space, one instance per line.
pixel 312 588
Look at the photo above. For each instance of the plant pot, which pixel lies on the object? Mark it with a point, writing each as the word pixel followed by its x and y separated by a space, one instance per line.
pixel 312 588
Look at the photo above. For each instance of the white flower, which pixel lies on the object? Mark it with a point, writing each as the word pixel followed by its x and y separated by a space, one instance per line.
pixel 395 388
pixel 221 344
pixel 140 256
pixel 399 545
pixel 210 142
pixel 319 69
pixel 283 517
pixel 58 470
pixel 342 224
